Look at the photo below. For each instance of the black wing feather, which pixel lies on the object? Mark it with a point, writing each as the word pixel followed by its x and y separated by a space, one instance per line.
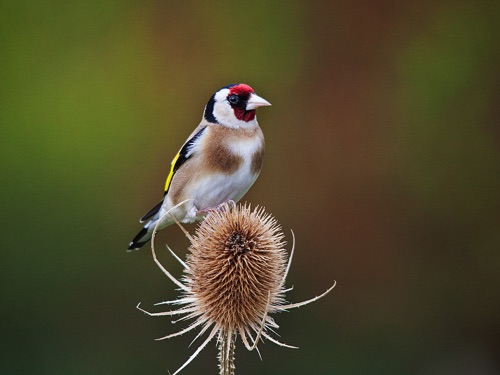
pixel 152 212
pixel 183 155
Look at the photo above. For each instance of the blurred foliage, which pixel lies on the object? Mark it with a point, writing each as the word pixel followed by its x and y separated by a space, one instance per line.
pixel 383 156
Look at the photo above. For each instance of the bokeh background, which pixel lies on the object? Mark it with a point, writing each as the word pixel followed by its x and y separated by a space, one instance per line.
pixel 383 156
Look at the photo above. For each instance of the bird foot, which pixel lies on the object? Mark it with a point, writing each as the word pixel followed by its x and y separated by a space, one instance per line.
pixel 221 207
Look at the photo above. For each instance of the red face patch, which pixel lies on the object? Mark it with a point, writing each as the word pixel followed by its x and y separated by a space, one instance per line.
pixel 243 115
pixel 243 91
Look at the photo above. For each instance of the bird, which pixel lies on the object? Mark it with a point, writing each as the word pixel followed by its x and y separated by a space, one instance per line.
pixel 218 163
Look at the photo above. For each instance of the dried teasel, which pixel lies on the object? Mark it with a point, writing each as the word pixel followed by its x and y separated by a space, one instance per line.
pixel 234 278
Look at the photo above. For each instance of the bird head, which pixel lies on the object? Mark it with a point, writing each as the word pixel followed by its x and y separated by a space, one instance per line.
pixel 234 106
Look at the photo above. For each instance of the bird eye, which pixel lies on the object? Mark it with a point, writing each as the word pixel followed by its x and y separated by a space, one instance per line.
pixel 233 99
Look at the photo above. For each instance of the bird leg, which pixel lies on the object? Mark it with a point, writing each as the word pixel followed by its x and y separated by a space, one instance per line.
pixel 229 203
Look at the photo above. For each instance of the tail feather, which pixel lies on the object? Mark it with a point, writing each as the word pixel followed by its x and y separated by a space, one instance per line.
pixel 141 239
pixel 152 212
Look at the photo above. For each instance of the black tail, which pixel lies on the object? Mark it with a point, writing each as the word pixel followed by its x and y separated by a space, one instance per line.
pixel 140 240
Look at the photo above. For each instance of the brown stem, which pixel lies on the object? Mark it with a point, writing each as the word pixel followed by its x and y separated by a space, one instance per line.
pixel 227 345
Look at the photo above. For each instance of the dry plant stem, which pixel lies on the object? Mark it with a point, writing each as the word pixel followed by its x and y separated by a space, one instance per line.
pixel 227 344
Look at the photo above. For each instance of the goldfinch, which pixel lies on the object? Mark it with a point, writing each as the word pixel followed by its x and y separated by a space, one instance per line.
pixel 218 163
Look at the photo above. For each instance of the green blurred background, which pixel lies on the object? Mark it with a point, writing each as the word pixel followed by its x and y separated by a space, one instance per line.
pixel 383 156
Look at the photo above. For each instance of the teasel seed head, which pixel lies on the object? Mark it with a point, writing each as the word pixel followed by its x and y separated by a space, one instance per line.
pixel 234 277
pixel 236 267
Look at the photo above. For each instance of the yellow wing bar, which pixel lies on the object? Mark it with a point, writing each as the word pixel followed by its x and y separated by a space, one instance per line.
pixel 171 174
pixel 181 157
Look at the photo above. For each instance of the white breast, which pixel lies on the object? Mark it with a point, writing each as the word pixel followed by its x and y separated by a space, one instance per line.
pixel 218 188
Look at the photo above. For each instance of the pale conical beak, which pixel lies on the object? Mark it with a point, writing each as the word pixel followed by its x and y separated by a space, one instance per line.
pixel 256 101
